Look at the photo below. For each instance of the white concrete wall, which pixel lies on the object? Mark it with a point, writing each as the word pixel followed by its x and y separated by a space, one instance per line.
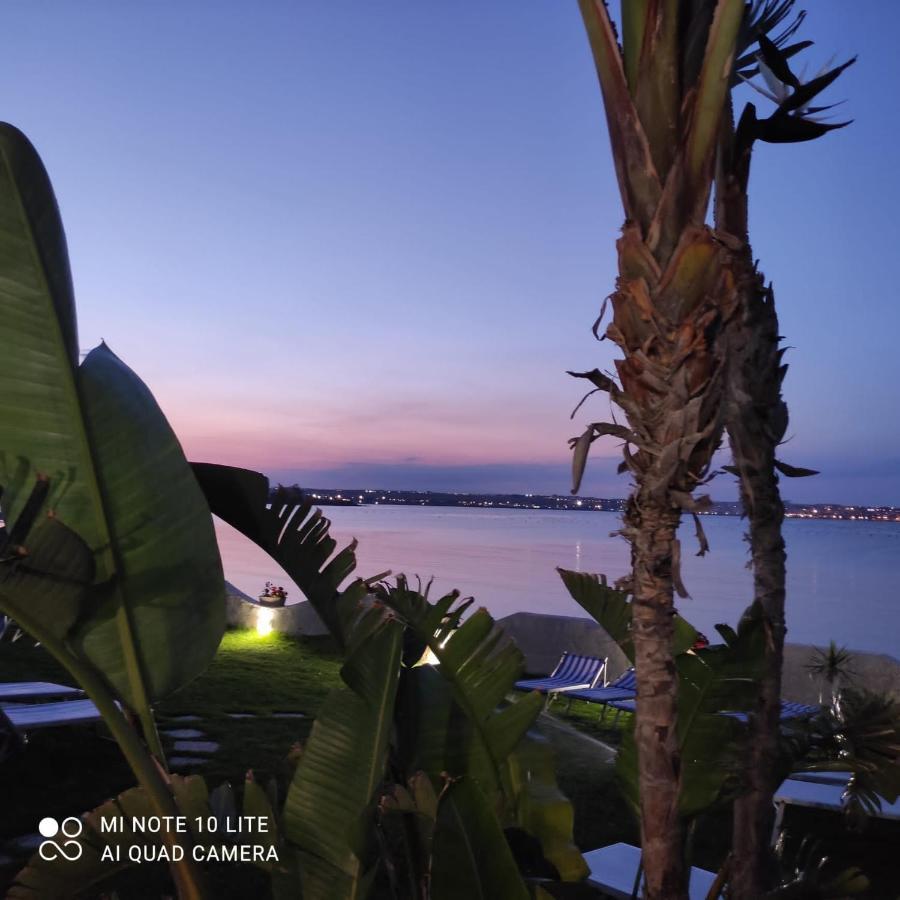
pixel 294 619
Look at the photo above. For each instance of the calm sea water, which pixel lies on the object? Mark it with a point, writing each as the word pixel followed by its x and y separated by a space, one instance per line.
pixel 843 577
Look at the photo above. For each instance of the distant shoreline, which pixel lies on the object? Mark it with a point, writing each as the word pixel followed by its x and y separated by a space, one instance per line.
pixel 556 502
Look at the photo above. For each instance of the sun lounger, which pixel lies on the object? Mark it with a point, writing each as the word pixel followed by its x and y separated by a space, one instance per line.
pixel 17 720
pixel 615 869
pixel 623 688
pixel 35 690
pixel 571 673
pixel 622 698
pixel 26 717
pixel 789 710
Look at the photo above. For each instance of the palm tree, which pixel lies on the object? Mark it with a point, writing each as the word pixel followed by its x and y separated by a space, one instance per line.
pixel 664 91
pixel 832 666
pixel 756 414
pixel 682 287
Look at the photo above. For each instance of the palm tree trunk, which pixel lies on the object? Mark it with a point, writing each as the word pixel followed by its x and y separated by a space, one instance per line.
pixel 654 527
pixel 756 419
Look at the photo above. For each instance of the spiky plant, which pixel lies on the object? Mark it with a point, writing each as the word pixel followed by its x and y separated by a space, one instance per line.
pixel 831 665
pixel 681 287
pixel 756 414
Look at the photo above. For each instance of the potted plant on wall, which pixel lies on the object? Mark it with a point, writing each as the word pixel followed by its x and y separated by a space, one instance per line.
pixel 272 595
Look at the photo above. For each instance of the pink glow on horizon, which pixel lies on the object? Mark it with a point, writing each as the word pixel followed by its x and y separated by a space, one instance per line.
pixel 323 437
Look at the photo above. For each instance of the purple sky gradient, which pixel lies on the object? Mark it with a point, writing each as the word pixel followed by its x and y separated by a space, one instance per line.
pixel 367 240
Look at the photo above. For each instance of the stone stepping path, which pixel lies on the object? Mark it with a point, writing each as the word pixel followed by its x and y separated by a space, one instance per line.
pixel 184 733
pixel 276 715
pixel 188 740
pixel 204 747
pixel 192 748
pixel 185 762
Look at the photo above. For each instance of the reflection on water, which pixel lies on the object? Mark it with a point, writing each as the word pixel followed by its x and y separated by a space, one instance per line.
pixel 843 577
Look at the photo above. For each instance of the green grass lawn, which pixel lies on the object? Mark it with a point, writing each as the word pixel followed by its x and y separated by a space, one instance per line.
pixel 590 719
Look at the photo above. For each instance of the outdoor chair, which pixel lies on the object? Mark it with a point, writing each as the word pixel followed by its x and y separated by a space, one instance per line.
pixel 17 720
pixel 616 870
pixel 623 688
pixel 789 710
pixel 35 690
pixel 571 673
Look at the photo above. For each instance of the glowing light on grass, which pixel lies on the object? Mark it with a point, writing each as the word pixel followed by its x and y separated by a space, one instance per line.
pixel 264 619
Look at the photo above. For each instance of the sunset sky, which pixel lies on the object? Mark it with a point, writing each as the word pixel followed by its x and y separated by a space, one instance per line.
pixel 358 244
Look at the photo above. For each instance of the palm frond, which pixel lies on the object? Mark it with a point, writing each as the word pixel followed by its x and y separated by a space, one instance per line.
pixel 296 536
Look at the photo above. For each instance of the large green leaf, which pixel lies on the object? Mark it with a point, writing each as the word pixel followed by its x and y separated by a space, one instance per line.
pixel 542 809
pixel 330 806
pixel 711 682
pixel 51 580
pixel 117 475
pixel 480 663
pixel 108 833
pixel 611 609
pixel 454 719
pixel 71 877
pixel 169 571
pixel 470 856
pixel 40 419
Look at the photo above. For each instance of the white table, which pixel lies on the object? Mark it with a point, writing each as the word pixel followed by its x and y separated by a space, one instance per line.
pixel 823 790
pixel 613 869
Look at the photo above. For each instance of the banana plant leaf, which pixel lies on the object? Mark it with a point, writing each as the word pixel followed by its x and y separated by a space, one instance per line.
pixel 454 720
pixel 295 536
pixel 711 683
pixel 50 580
pixel 102 851
pixel 40 349
pixel 330 807
pixel 611 609
pixel 470 856
pixel 117 474
pixel 480 663
pixel 542 809
pixel 95 855
pixel 169 573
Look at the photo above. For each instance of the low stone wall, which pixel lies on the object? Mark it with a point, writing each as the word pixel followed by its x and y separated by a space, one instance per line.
pixel 542 639
pixel 295 619
pixel 876 671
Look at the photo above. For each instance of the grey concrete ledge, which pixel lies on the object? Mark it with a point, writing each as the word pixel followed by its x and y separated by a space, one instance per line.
pixel 543 638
